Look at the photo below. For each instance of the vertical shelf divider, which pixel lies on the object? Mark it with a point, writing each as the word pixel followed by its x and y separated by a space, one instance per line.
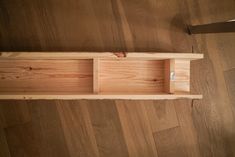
pixel 169 76
pixel 96 87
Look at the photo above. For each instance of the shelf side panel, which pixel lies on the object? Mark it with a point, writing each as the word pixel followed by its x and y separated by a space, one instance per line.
pixel 73 96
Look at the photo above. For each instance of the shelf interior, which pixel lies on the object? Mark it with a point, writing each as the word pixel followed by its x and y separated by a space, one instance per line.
pixel 95 76
pixel 46 76
pixel 131 76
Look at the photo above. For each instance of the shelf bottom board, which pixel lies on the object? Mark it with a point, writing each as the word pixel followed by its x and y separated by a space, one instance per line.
pixel 97 96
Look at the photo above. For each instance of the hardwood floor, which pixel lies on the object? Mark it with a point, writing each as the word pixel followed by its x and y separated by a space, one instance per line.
pixel 122 128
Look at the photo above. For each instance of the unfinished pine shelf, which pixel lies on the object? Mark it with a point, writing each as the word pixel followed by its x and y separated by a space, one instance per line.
pixel 86 75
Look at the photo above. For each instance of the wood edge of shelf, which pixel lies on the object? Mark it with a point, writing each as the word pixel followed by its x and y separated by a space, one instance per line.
pixel 91 55
pixel 96 75
pixel 98 96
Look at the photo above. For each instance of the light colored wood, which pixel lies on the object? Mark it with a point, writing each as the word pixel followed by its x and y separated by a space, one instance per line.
pixel 71 114
pixel 101 76
pixel 46 76
pixel 169 83
pixel 91 55
pixel 154 26
pixel 99 96
pixel 169 143
pixel 107 128
pixel 216 109
pixel 14 113
pixel 182 75
pixel 41 136
pixel 131 76
pixel 96 75
pixel 230 83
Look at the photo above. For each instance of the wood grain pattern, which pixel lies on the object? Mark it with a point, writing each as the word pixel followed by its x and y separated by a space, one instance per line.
pixel 46 76
pixel 169 76
pixel 42 136
pixel 14 113
pixel 22 141
pixel 73 113
pixel 182 76
pixel 94 78
pixel 220 117
pixel 96 67
pixel 158 55
pixel 161 115
pixel 77 96
pixel 136 129
pixel 131 76
pixel 207 126
pixel 170 142
pixel 107 128
pixel 185 113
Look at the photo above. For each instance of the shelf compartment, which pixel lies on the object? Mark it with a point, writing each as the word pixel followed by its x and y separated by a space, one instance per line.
pixel 46 76
pixel 94 75
pixel 131 76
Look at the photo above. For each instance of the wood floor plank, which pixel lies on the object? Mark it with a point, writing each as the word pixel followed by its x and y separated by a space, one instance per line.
pixel 161 114
pixel 213 116
pixel 46 76
pixel 23 141
pixel 2 118
pixel 139 25
pixel 170 143
pixel 42 136
pixel 215 110
pixel 4 149
pixel 77 127
pixel 230 77
pixel 225 45
pixel 188 131
pixel 230 83
pixel 136 128
pixel 107 128
pixel 132 75
pixel 171 28
pixel 14 113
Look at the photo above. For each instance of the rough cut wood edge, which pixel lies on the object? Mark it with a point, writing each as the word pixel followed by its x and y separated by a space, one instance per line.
pixel 91 55
pixel 99 96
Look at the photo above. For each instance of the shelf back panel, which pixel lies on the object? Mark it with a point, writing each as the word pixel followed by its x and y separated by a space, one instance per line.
pixel 131 76
pixel 46 75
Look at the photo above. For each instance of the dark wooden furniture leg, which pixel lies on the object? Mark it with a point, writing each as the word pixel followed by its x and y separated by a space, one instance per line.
pixel 220 27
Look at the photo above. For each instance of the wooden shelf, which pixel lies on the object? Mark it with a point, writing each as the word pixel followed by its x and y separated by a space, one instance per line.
pixel 83 75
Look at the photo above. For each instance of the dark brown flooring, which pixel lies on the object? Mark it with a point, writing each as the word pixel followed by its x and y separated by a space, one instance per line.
pixel 199 128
